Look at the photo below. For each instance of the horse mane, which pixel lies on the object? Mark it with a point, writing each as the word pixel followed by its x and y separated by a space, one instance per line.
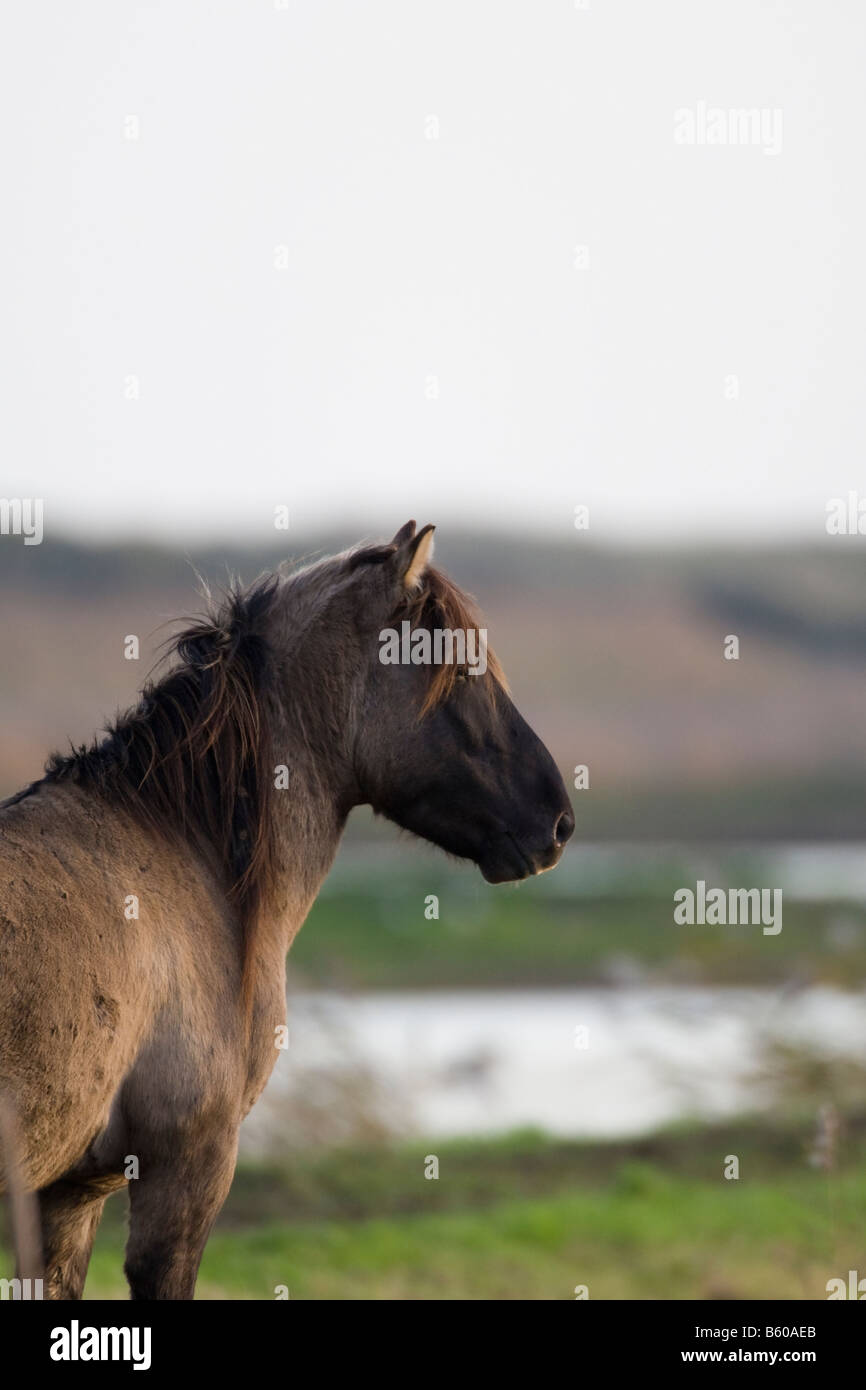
pixel 193 756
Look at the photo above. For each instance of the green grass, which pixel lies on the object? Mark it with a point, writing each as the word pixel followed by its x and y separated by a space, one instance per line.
pixel 372 933
pixel 647 1237
pixel 526 1217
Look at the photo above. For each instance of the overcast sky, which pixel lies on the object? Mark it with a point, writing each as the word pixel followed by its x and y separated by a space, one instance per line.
pixel 450 261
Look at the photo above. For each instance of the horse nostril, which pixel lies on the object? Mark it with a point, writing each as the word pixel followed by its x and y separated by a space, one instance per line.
pixel 564 829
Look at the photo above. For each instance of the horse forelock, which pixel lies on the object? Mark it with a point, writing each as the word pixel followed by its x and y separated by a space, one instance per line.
pixel 439 603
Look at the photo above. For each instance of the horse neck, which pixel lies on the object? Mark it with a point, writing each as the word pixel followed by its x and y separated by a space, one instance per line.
pixel 309 817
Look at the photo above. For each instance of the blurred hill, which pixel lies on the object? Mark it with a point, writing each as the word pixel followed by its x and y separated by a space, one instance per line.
pixel 615 657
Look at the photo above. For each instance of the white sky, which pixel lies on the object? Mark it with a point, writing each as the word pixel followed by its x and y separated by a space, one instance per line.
pixel 304 127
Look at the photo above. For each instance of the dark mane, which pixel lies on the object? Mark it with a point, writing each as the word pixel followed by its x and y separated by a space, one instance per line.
pixel 192 758
pixel 440 604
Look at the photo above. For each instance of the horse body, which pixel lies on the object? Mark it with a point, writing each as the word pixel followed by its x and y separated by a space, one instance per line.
pixel 134 1042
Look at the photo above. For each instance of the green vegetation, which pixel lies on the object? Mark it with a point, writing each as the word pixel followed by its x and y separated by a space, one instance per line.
pixel 526 1217
pixel 370 931
pixel 663 1240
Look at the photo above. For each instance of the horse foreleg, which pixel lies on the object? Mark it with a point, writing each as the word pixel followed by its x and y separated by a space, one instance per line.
pixel 172 1207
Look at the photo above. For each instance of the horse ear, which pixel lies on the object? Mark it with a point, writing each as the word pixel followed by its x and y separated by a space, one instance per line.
pixel 413 557
pixel 404 534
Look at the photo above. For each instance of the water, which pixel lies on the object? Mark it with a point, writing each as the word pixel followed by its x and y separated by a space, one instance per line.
pixel 446 1062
